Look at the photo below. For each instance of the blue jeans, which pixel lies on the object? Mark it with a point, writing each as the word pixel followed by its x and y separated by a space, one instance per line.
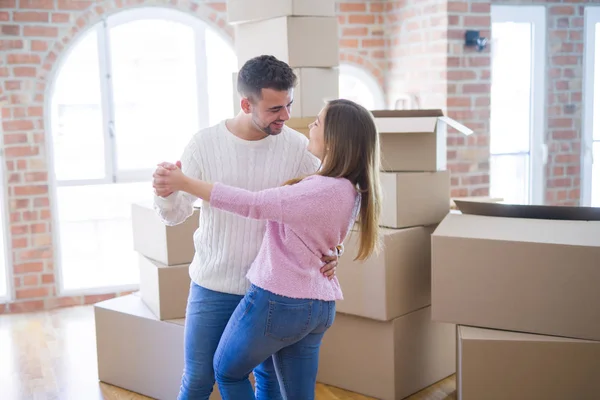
pixel 264 326
pixel 206 318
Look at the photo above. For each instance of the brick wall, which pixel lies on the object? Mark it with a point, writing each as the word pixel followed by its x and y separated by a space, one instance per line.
pixel 362 28
pixel 429 63
pixel 34 35
pixel 468 76
pixel 418 51
pixel 393 39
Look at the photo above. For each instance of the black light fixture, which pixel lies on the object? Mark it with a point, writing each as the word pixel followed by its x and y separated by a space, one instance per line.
pixel 473 39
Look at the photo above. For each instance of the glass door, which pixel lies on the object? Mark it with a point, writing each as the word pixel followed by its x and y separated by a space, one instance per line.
pixel 591 92
pixel 517 150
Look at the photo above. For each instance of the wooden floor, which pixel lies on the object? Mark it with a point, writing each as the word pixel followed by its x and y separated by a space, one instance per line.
pixel 52 356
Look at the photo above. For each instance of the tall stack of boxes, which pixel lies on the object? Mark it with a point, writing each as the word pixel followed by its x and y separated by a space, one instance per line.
pixel 383 343
pixel 521 283
pixel 139 337
pixel 302 33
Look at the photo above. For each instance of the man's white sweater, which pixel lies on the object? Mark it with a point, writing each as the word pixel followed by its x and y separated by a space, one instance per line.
pixel 226 244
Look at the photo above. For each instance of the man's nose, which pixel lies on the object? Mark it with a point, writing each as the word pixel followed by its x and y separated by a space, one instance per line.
pixel 285 114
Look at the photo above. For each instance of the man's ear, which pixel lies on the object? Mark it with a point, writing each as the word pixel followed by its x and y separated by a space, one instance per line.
pixel 245 105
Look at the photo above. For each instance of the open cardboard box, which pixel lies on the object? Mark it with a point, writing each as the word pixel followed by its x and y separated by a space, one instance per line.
pixel 522 268
pixel 414 140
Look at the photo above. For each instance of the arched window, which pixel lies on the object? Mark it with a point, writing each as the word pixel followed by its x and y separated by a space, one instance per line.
pixel 130 93
pixel 358 85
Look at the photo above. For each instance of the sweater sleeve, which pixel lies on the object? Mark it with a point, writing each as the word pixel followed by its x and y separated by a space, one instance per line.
pixel 179 206
pixel 290 204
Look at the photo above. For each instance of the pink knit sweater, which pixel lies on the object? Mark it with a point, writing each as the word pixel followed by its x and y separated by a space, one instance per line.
pixel 304 222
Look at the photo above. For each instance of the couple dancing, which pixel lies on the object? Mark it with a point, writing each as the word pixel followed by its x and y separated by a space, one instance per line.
pixel 276 210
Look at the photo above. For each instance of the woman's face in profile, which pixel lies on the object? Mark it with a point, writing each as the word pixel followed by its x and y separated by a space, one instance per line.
pixel 316 141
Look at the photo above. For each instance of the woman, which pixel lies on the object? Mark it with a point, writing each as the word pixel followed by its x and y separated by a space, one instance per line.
pixel 290 304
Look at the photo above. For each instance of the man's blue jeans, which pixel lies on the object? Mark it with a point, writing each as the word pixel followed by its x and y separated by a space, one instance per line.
pixel 264 326
pixel 206 318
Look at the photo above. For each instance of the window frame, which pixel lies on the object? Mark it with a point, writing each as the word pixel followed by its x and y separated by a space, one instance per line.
pixel 5 225
pixel 591 18
pixel 368 79
pixel 112 174
pixel 538 149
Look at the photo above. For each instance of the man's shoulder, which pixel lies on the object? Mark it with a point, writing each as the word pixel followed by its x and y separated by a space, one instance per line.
pixel 209 131
pixel 296 139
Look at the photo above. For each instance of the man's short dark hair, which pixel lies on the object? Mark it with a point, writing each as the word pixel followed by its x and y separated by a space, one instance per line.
pixel 264 72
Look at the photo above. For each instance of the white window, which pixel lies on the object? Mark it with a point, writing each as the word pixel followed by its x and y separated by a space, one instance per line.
pixel 130 93
pixel 517 104
pixel 591 113
pixel 361 87
pixel 4 256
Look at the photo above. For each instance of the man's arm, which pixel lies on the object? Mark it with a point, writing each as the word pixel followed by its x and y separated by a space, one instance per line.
pixel 175 207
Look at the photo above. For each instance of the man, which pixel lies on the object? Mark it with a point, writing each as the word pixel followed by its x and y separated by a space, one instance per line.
pixel 255 151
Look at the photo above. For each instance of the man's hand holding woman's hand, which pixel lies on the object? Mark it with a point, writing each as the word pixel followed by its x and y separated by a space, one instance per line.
pixel 168 178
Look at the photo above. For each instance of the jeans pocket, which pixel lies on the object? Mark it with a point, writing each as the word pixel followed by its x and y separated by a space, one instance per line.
pixel 288 322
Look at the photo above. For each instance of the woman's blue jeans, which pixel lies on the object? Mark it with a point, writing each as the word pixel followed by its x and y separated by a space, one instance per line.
pixel 206 318
pixel 264 325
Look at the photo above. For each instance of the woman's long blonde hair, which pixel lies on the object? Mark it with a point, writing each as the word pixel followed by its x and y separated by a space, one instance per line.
pixel 352 144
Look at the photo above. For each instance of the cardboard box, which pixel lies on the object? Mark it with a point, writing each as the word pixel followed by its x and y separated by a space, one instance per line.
pixel 414 198
pixel 414 140
pixel 520 274
pixel 394 282
pixel 387 360
pixel 488 199
pixel 500 365
pixel 298 41
pixel 315 87
pixel 169 245
pixel 242 11
pixel 137 351
pixel 301 124
pixel 164 289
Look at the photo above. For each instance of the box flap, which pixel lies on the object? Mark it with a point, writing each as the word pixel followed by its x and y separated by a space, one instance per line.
pixel 571 233
pixel 474 333
pixel 406 125
pixel 407 113
pixel 528 211
pixel 456 125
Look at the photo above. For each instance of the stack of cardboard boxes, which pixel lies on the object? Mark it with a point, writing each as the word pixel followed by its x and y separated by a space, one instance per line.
pixel 302 33
pixel 139 337
pixel 383 343
pixel 521 283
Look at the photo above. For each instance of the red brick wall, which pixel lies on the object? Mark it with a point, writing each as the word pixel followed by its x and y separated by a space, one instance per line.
pixel 34 37
pixel 469 85
pixel 427 60
pixel 363 41
pixel 467 76
pixel 564 106
pixel 418 51
pixel 468 97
